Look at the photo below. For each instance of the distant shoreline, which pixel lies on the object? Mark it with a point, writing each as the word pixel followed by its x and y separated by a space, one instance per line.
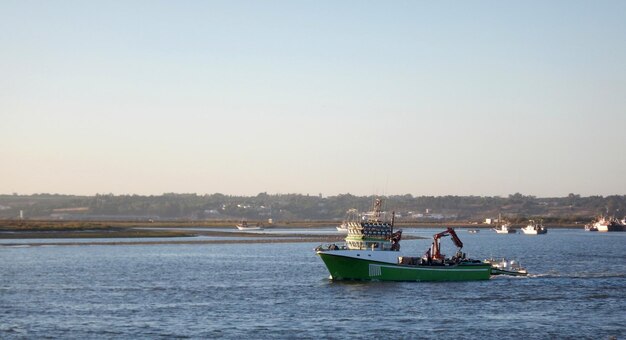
pixel 188 242
pixel 12 224
pixel 55 229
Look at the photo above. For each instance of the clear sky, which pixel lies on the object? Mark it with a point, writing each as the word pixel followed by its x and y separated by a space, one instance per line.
pixel 360 97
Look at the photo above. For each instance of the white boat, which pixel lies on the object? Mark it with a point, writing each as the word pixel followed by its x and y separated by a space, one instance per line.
pixel 534 228
pixel 343 228
pixel 604 224
pixel 506 267
pixel 352 216
pixel 504 227
pixel 245 226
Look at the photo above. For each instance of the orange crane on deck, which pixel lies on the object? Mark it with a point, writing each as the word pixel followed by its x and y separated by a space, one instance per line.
pixel 435 250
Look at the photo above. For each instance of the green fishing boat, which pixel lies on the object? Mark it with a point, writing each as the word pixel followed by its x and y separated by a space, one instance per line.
pixel 372 252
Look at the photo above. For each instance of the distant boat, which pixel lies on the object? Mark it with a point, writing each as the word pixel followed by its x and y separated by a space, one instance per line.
pixel 352 216
pixel 245 226
pixel 504 227
pixel 604 224
pixel 343 228
pixel 473 231
pixel 534 228
pixel 591 226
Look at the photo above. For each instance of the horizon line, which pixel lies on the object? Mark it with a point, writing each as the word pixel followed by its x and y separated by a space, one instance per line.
pixel 303 194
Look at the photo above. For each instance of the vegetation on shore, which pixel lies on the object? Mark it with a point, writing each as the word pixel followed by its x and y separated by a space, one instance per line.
pixel 516 208
pixel 78 229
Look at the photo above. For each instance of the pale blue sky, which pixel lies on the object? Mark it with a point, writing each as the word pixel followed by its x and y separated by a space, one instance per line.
pixel 361 97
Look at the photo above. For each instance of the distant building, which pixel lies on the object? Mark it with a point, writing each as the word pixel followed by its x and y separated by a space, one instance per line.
pixel 429 216
pixel 211 212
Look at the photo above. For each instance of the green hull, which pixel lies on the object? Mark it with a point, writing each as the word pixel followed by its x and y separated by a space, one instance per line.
pixel 349 268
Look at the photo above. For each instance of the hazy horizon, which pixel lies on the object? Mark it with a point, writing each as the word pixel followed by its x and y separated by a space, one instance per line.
pixel 295 193
pixel 370 98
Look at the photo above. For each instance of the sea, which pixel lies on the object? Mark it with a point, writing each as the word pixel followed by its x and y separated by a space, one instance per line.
pixel 576 290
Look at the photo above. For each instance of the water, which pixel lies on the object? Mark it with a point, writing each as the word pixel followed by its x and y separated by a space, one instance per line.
pixel 577 290
pixel 257 235
pixel 14 241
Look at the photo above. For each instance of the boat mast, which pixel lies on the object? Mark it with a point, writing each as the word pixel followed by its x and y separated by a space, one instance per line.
pixel 377 209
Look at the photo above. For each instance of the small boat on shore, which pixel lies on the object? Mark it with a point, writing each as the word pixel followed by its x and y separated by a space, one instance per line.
pixel 245 226
pixel 372 252
pixel 534 228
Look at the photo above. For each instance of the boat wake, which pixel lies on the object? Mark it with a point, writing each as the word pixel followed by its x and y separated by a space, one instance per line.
pixel 510 277
pixel 580 276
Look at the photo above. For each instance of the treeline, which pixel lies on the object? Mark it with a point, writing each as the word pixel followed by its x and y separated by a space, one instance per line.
pixel 285 207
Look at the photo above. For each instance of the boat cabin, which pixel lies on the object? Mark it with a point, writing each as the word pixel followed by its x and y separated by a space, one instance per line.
pixel 372 236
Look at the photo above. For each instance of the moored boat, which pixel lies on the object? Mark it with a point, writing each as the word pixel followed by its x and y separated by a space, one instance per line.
pixel 245 226
pixel 604 224
pixel 504 227
pixel 534 228
pixel 352 216
pixel 591 227
pixel 343 228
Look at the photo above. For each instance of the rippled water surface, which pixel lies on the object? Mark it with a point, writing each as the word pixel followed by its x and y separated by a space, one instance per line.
pixel 577 290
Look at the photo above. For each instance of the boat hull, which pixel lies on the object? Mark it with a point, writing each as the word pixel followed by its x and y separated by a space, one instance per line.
pixel 498 271
pixel 368 265
pixel 505 231
pixel 534 232
pixel 606 228
pixel 249 228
